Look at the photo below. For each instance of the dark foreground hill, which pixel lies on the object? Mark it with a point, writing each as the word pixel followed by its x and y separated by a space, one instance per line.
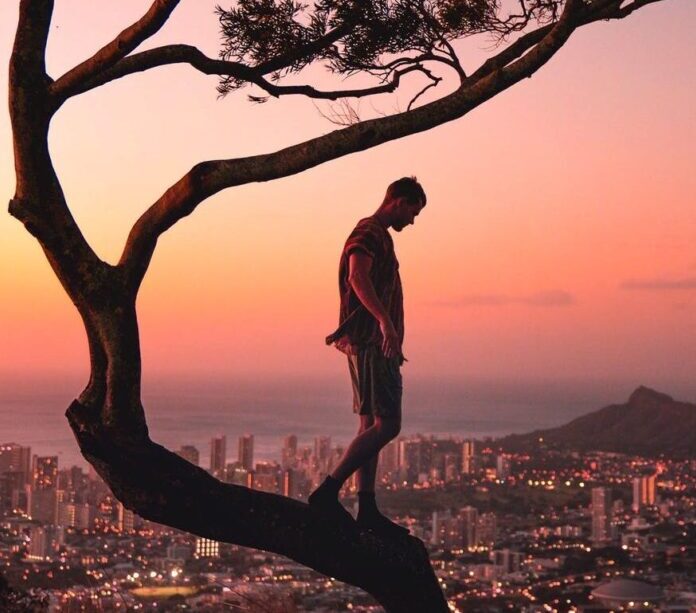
pixel 649 424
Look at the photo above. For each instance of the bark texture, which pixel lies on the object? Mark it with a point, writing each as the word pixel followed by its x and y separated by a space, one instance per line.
pixel 108 418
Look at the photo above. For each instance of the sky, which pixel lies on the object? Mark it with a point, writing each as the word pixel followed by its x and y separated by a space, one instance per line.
pixel 558 240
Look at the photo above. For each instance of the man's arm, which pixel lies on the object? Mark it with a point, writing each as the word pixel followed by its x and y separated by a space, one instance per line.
pixel 359 265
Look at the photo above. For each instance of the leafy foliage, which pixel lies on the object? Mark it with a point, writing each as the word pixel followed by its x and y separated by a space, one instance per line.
pixel 349 36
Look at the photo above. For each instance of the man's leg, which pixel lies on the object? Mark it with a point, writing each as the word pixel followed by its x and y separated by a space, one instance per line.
pixel 369 515
pixel 367 474
pixel 366 445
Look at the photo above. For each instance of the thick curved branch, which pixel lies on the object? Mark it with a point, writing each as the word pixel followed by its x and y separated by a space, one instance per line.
pixel 160 486
pixel 209 178
pixel 117 49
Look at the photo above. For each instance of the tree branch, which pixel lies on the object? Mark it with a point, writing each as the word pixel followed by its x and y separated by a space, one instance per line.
pixel 114 51
pixel 208 178
pixel 187 54
pixel 160 486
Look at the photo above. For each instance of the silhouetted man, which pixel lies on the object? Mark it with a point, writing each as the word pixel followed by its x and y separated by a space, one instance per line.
pixel 371 332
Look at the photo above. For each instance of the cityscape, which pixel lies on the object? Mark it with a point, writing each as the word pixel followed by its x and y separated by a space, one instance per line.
pixel 547 529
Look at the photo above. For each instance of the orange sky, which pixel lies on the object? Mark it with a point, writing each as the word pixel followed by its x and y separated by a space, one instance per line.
pixel 558 240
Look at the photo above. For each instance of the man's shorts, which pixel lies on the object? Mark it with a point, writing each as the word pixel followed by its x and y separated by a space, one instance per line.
pixel 377 384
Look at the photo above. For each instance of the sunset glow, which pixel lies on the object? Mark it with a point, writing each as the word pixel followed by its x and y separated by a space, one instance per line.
pixel 558 240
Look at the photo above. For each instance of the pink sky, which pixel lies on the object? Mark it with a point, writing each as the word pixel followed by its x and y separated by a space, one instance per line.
pixel 558 240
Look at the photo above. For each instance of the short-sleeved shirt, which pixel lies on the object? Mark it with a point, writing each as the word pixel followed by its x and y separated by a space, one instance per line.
pixel 357 326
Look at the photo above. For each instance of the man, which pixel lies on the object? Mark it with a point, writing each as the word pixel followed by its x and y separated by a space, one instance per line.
pixel 371 332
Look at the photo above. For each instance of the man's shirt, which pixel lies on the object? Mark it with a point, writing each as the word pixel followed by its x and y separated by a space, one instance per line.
pixel 357 327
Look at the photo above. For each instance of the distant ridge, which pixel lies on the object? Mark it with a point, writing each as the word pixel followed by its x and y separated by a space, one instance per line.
pixel 650 423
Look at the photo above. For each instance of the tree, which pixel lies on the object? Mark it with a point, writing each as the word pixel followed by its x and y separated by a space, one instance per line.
pixel 266 41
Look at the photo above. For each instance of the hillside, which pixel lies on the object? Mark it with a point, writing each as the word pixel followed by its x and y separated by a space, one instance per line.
pixel 649 423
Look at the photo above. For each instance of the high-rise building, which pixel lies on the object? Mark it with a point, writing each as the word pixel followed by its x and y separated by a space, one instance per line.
pixel 469 458
pixel 126 520
pixel 601 514
pixel 451 467
pixel 409 460
pixel 322 448
pixel 245 455
pixel 447 530
pixel 45 472
pixel 190 454
pixel 487 530
pixel 44 541
pixel 15 458
pixel 469 517
pixel 289 452
pixel 389 458
pixel 644 492
pixel 218 455
pixel 502 467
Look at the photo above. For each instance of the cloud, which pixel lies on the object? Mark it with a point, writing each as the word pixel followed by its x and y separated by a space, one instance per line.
pixel 686 283
pixel 552 298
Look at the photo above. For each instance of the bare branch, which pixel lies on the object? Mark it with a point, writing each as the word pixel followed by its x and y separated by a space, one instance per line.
pixel 434 82
pixel 341 114
pixel 116 50
pixel 311 92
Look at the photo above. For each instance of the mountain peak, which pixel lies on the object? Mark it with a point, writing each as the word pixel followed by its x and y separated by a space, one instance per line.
pixel 646 395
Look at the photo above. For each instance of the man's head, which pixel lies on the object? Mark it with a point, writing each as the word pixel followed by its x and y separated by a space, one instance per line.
pixel 403 201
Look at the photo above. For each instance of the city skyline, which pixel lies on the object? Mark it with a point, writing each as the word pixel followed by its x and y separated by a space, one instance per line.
pixel 545 528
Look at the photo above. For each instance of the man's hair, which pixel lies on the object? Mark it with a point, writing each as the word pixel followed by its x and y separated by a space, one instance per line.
pixel 408 188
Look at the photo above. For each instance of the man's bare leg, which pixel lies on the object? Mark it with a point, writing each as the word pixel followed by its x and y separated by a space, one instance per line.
pixel 366 445
pixel 367 475
pixel 361 455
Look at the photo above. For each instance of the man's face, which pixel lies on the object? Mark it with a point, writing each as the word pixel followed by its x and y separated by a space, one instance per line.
pixel 406 213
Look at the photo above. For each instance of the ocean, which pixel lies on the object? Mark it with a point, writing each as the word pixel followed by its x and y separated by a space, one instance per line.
pixel 181 411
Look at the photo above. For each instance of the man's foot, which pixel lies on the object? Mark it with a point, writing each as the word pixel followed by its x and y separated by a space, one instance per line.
pixel 381 524
pixel 324 499
pixel 370 518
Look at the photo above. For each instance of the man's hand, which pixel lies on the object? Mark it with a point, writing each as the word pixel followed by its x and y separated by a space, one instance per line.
pixel 391 345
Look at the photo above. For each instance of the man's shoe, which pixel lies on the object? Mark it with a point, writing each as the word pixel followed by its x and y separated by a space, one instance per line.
pixel 329 506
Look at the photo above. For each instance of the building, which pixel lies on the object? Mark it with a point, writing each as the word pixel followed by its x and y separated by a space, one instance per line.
pixel 502 467
pixel 409 460
pixel 44 542
pixel 15 459
pixel 245 455
pixel 190 454
pixel 322 452
pixel 388 465
pixel 43 504
pixel 447 530
pixel 207 548
pixel 509 561
pixel 469 459
pixel 45 472
pixel 469 517
pixel 486 530
pixel 644 492
pixel 126 520
pixel 268 477
pixel 625 594
pixel 601 515
pixel 289 452
pixel 218 455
